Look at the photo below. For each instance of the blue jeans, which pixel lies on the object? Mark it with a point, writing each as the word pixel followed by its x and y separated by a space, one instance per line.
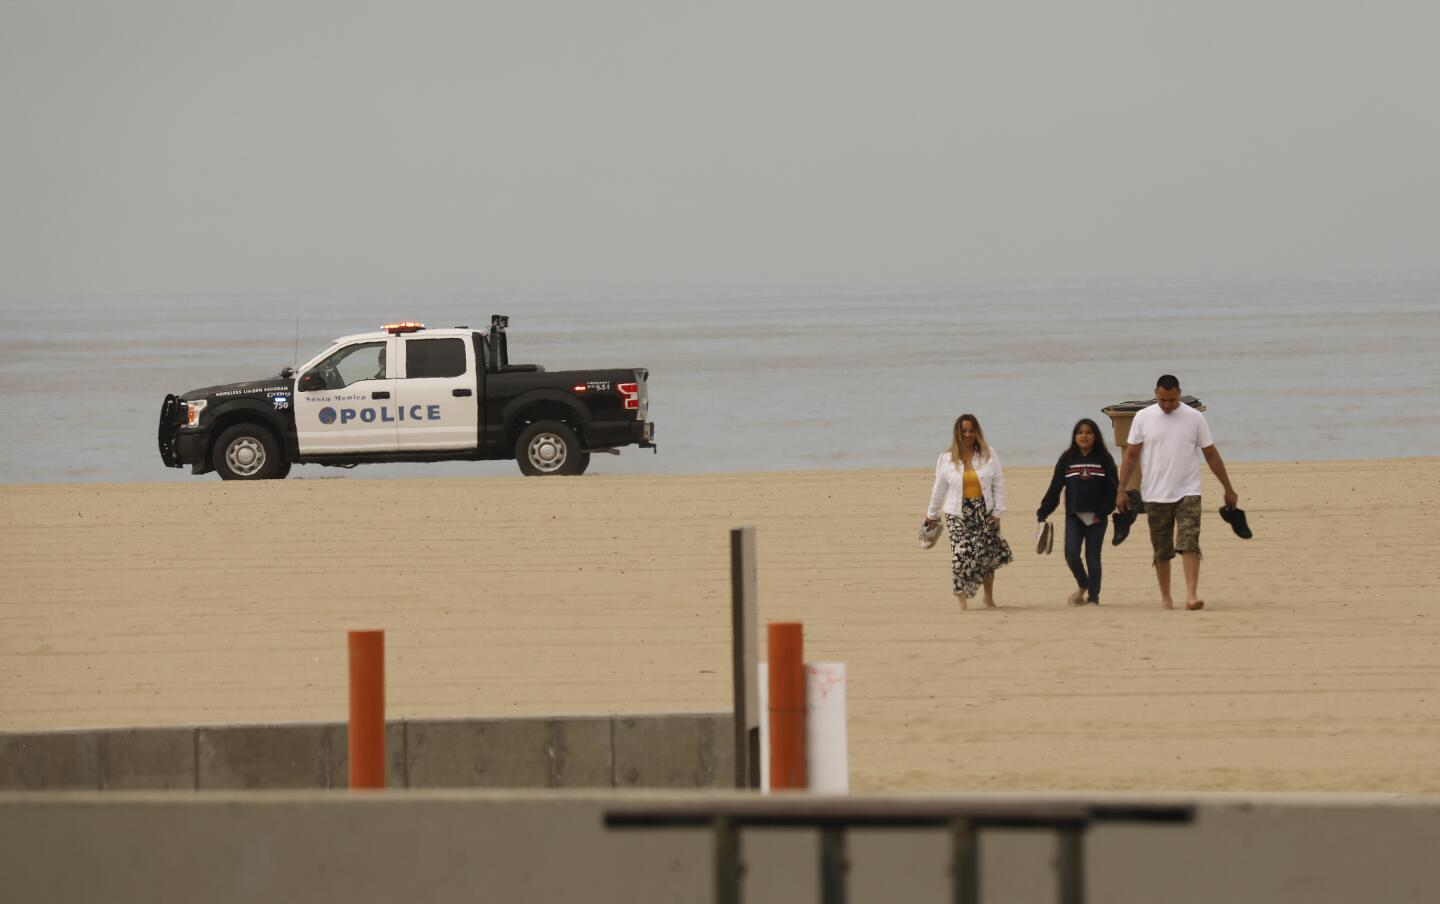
pixel 1087 574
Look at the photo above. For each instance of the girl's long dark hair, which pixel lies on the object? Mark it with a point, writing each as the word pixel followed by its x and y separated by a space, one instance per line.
pixel 1098 449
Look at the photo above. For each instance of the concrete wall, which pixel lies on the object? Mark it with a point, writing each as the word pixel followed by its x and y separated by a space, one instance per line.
pixel 422 846
pixel 687 750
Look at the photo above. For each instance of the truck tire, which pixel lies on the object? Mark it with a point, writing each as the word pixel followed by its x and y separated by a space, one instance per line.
pixel 584 463
pixel 547 449
pixel 249 452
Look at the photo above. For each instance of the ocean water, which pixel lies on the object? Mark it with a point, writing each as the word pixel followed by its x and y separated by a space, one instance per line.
pixel 784 379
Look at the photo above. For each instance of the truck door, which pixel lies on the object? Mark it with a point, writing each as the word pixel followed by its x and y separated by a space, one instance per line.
pixel 435 395
pixel 345 402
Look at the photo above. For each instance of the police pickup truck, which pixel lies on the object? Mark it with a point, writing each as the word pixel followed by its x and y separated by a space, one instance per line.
pixel 408 393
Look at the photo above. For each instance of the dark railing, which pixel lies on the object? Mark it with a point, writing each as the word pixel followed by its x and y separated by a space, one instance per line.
pixel 964 820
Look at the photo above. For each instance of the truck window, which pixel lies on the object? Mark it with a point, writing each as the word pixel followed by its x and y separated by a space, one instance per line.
pixel 434 358
pixel 352 364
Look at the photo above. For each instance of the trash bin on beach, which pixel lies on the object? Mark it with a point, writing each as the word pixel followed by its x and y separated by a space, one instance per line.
pixel 1122 413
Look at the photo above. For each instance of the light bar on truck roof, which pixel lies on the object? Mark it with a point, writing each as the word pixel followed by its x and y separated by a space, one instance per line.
pixel 408 326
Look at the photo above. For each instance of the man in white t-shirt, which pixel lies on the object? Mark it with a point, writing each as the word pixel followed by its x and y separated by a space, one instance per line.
pixel 1168 440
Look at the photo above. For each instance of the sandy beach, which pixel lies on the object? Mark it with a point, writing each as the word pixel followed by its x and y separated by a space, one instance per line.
pixel 1315 666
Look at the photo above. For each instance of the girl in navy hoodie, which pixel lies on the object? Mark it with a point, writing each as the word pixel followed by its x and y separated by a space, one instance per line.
pixel 1088 475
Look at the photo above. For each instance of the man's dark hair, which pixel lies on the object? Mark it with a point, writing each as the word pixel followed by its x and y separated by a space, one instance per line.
pixel 1167 381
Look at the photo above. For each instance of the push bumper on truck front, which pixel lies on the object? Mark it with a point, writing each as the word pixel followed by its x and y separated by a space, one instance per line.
pixel 179 448
pixel 169 427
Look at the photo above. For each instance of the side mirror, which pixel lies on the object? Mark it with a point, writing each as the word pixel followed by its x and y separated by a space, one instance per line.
pixel 287 372
pixel 310 382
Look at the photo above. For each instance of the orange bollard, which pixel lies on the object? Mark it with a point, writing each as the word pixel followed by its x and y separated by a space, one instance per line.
pixel 786 654
pixel 367 709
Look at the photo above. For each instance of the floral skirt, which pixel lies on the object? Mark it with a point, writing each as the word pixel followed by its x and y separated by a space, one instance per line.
pixel 976 548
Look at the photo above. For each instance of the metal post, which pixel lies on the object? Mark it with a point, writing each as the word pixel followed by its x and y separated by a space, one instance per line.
pixel 834 865
pixel 785 656
pixel 728 868
pixel 743 657
pixel 1070 864
pixel 367 709
pixel 964 862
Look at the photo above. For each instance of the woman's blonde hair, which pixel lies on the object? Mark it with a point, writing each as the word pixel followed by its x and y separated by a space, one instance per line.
pixel 955 451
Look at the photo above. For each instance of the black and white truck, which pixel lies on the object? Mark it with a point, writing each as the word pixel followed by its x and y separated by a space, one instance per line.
pixel 408 393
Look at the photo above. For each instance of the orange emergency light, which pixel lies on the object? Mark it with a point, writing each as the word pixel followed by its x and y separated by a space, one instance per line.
pixel 408 326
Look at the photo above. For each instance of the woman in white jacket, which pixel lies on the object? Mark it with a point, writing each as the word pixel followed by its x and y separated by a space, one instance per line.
pixel 970 491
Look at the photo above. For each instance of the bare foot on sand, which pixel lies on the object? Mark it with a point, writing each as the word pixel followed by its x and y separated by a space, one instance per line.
pixel 989 602
pixel 1076 599
pixel 1167 603
pixel 1195 604
pixel 963 600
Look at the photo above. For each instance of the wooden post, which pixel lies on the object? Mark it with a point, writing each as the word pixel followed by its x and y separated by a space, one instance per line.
pixel 786 658
pixel 743 658
pixel 367 709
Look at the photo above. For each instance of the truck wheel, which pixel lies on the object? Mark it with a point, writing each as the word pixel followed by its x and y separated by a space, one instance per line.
pixel 249 452
pixel 547 448
pixel 584 463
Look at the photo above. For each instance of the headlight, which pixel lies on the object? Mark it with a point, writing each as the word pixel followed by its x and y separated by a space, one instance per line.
pixel 192 412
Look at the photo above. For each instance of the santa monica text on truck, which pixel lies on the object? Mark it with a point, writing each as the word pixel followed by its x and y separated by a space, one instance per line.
pixel 408 393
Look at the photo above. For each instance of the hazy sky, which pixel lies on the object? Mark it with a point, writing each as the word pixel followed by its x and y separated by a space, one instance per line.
pixel 189 146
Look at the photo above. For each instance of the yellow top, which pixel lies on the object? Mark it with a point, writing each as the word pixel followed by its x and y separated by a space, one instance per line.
pixel 972 484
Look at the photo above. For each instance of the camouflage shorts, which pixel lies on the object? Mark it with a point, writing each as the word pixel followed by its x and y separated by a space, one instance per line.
pixel 1174 527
